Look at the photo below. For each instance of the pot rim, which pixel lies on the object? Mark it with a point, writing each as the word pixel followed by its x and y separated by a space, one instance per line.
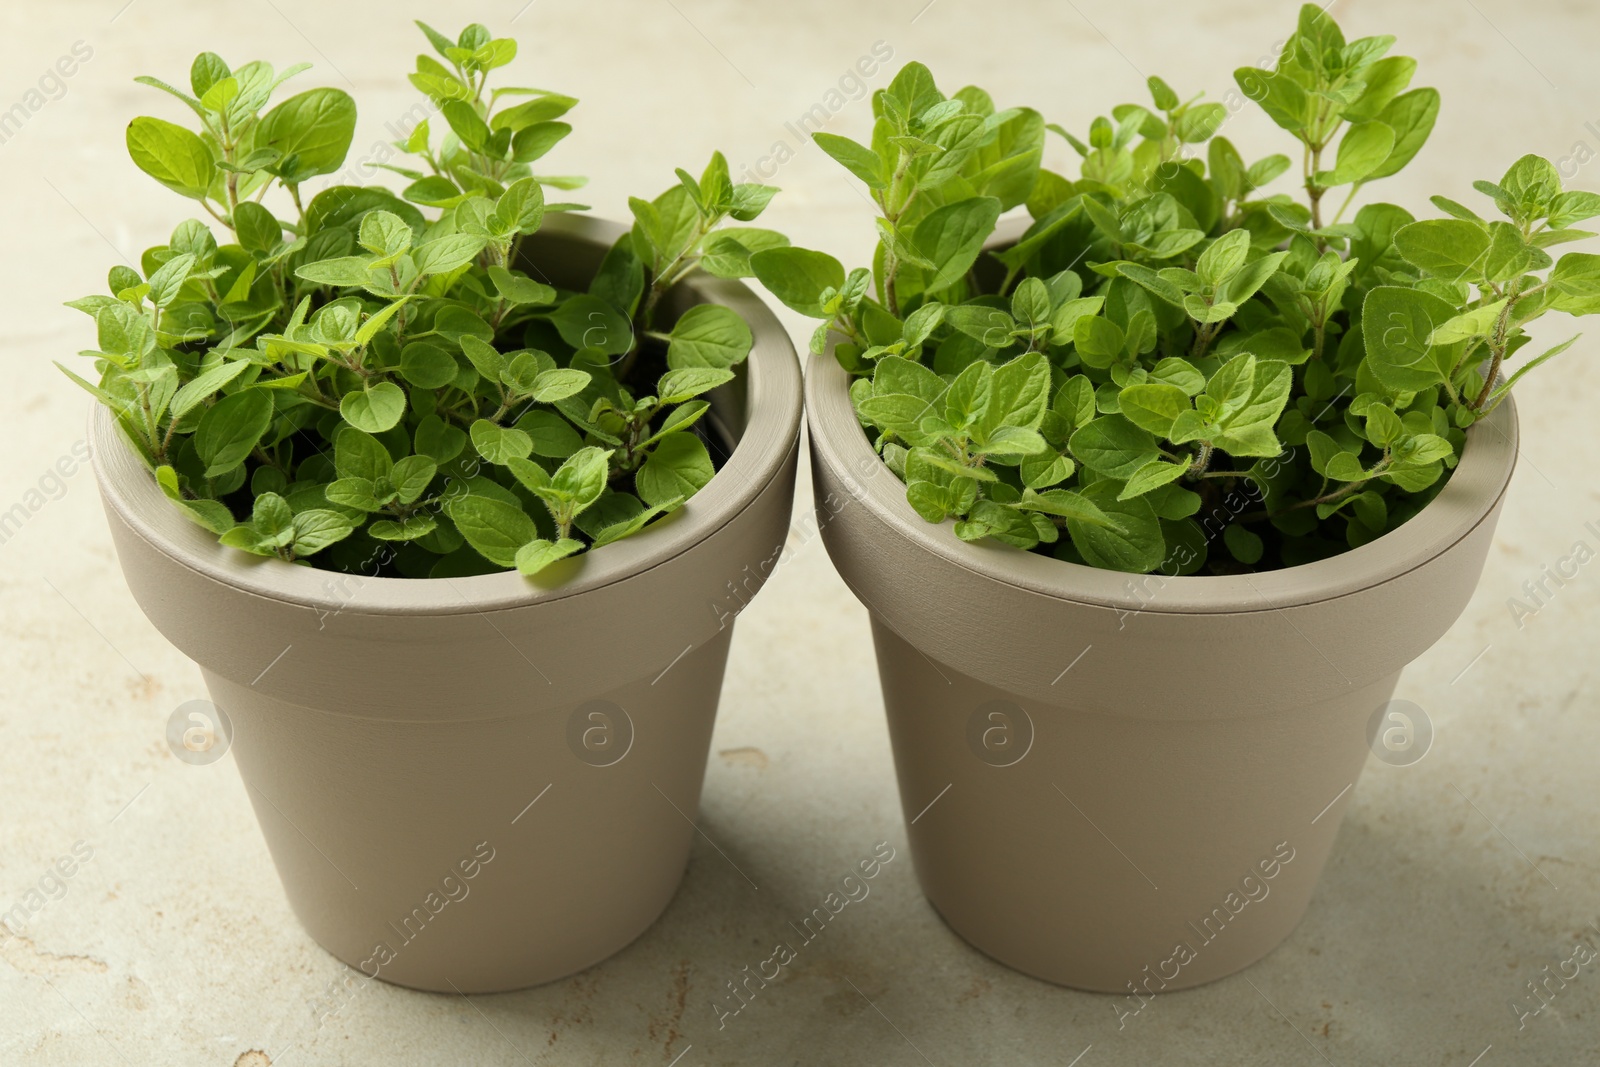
pixel 773 406
pixel 1470 497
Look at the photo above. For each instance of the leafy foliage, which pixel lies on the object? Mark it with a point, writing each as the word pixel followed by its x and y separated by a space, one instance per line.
pixel 1170 369
pixel 401 392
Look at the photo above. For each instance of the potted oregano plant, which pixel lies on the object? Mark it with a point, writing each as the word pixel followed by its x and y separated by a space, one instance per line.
pixel 424 482
pixel 1153 492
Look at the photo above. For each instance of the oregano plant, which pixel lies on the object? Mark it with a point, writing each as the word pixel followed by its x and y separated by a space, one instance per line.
pixel 388 383
pixel 1171 368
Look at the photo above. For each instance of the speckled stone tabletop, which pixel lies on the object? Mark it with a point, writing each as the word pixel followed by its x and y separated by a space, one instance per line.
pixel 152 928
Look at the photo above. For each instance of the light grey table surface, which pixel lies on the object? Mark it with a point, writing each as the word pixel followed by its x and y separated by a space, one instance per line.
pixel 1453 882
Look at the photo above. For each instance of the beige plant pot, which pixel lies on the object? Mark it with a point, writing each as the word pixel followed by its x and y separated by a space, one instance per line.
pixel 1127 783
pixel 392 733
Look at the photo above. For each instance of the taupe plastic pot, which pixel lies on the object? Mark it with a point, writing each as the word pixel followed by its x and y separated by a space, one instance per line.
pixel 1126 783
pixel 392 733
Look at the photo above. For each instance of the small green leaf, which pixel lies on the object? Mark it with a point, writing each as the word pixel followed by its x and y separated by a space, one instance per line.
pixel 952 236
pixel 990 325
pixel 1152 476
pixel 1099 340
pixel 895 374
pixel 412 476
pixel 339 271
pixel 1002 522
pixel 1385 79
pixel 1242 415
pixel 1573 206
pixel 616 531
pixel 536 555
pixel 495 529
pixel 1181 373
pixel 1278 94
pixel 1364 148
pixel 1500 393
pixel 375 322
pixel 204 386
pixel 247 538
pixel 519 288
pixel 676 386
pixel 273 519
pixel 427 366
pixel 258 230
pixel 1046 468
pixel 1134 543
pixel 357 493
pixel 318 528
pixel 166 283
pixel 360 455
pixel 543 108
pixel 750 200
pixel 1479 322
pixel 534 141
pixel 1019 395
pixel 798 277
pixel 497 444
pixel 727 252
pixel 678 467
pixel 312 130
pixel 582 478
pixel 407 529
pixel 708 335
pixel 1114 446
pixel 858 159
pixel 437 439
pixel 1245 545
pixel 466 123
pixel 1396 324
pixel 1449 249
pixel 1011 441
pixel 444 254
pixel 1153 406
pixel 1509 256
pixel 534 478
pixel 171 155
pixel 1075 400
pixel 1575 284
pixel 484 357
pixel 1162 94
pixel 206 71
pixel 1066 504
pixel 1223 257
pixel 968 396
pixel 551 435
pixel 375 408
pixel 586 321
pixel 230 429
pixel 900 414
pixel 520 209
pixel 559 384
pixel 384 233
pixel 1383 425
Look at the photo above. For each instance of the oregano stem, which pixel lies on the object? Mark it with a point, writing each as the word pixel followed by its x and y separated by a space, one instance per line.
pixel 1497 349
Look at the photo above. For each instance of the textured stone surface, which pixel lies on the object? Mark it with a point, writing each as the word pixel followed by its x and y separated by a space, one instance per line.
pixel 1453 881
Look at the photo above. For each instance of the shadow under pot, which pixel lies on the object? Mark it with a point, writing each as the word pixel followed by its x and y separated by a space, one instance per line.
pixel 481 783
pixel 1111 779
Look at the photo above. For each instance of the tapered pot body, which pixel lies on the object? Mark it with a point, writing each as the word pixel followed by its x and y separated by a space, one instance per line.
pixel 483 783
pixel 1131 783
